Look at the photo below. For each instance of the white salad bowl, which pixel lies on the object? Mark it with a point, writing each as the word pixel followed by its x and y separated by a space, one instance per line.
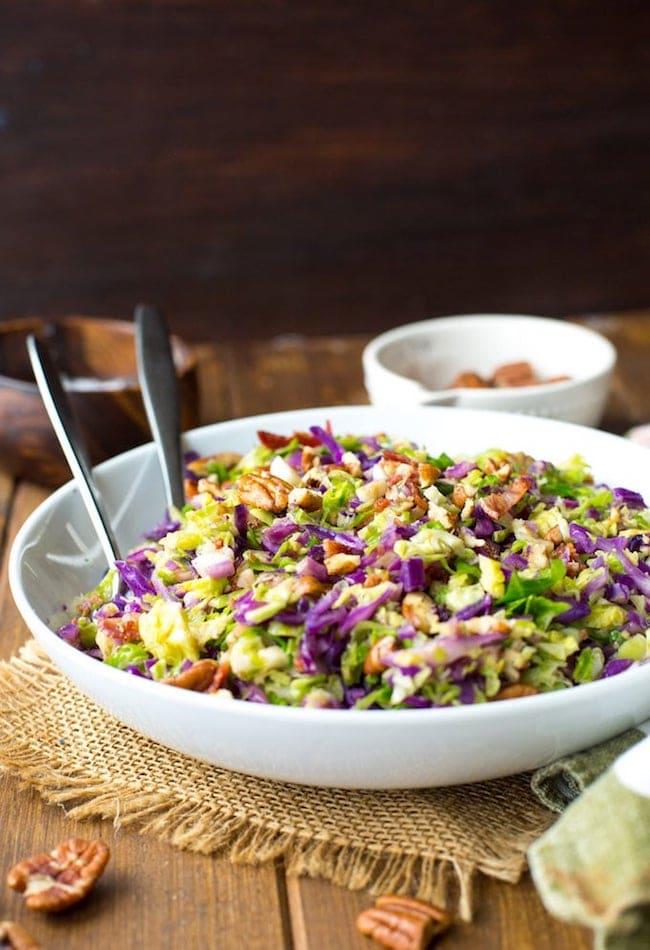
pixel 55 557
pixel 416 364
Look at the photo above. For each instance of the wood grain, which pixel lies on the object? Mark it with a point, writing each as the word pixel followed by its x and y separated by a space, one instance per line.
pixel 97 361
pixel 260 168
pixel 156 896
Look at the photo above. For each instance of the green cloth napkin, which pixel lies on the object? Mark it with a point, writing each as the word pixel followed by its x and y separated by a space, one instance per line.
pixel 556 785
pixel 592 867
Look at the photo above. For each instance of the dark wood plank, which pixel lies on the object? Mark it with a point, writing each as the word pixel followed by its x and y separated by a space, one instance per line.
pixel 151 895
pixel 18 503
pixel 262 168
pixel 294 371
pixel 629 402
pixel 214 374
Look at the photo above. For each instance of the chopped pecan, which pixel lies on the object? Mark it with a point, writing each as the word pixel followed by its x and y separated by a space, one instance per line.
pixel 554 534
pixel 341 563
pixel 567 552
pixel 208 485
pixel 516 690
pixel 263 490
pixel 402 923
pixel 332 546
pixel 419 609
pixel 350 462
pixel 16 937
pixel 308 586
pixel 55 880
pixel 427 473
pixel 502 470
pixel 371 491
pixel 198 677
pixel 376 576
pixel 461 494
pixel 309 458
pixel 374 661
pixel 405 495
pixel 418 502
pixel 306 498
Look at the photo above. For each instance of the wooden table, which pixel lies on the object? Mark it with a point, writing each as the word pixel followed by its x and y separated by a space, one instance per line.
pixel 155 896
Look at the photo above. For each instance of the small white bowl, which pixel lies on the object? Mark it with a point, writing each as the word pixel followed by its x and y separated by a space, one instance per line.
pixel 416 364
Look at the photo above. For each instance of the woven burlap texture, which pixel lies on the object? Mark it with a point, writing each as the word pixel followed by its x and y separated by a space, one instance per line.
pixel 426 842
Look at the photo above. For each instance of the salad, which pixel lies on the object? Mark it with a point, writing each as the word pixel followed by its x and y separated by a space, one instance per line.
pixel 353 571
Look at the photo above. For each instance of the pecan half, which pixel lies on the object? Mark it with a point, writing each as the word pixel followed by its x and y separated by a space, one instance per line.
pixel 514 374
pixel 469 380
pixel 402 923
pixel 15 936
pixel 263 490
pixel 55 880
pixel 415 906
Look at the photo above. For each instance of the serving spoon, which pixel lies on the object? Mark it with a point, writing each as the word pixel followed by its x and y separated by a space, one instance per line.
pixel 64 423
pixel 157 376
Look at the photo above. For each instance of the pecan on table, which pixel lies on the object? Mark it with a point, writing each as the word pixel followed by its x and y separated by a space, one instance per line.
pixel 55 880
pixel 402 923
pixel 16 937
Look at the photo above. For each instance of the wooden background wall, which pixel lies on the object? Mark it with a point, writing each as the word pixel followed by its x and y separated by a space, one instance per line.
pixel 313 166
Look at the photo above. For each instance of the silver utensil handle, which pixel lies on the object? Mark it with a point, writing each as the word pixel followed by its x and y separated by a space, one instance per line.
pixel 159 386
pixel 67 431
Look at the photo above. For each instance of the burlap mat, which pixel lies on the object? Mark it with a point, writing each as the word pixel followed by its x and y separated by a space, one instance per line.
pixel 428 842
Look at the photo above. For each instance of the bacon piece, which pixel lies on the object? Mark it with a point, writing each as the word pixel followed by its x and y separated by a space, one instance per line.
pixel 497 504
